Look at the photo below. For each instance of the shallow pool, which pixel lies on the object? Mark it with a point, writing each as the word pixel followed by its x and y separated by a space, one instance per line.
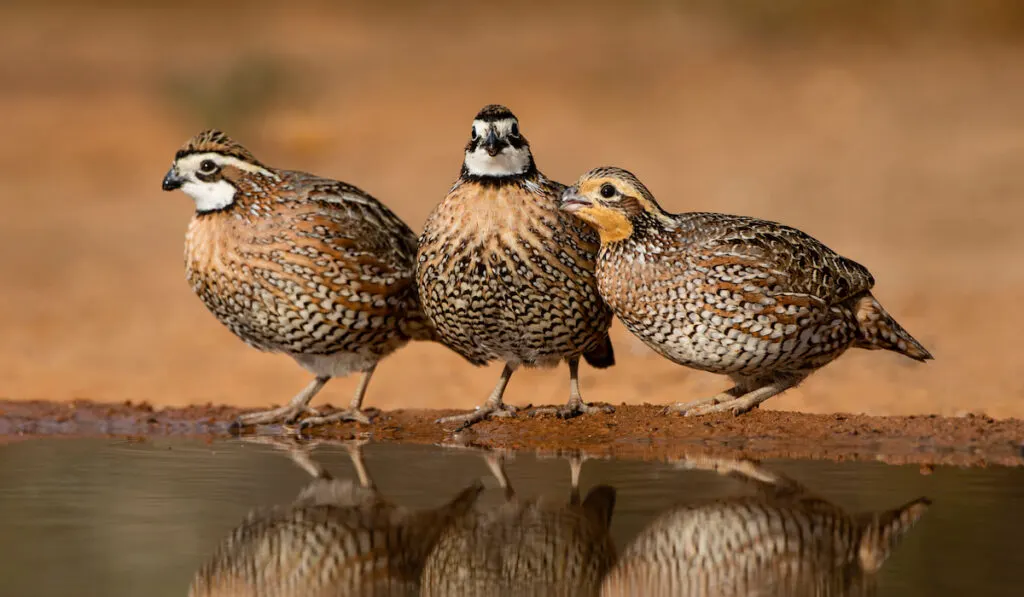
pixel 112 517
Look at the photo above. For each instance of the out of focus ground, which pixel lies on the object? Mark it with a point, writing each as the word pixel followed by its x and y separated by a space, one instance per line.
pixel 896 137
pixel 639 432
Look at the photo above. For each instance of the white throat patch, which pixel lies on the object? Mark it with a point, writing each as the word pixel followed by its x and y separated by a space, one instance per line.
pixel 509 162
pixel 210 196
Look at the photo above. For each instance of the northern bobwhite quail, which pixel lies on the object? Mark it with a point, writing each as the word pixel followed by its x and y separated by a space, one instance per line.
pixel 504 275
pixel 782 542
pixel 525 546
pixel 336 539
pixel 293 263
pixel 761 302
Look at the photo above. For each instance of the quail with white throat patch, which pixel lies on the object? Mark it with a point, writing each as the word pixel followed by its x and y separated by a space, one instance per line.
pixel 763 303
pixel 297 264
pixel 337 537
pixel 504 275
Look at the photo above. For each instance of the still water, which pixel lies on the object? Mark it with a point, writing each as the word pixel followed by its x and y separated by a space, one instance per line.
pixel 112 517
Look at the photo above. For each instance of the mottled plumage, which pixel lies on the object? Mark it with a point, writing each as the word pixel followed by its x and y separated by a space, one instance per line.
pixel 783 542
pixel 503 274
pixel 759 301
pixel 525 547
pixel 336 539
pixel 297 264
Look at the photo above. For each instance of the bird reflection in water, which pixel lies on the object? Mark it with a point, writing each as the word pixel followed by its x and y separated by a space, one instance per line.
pixel 781 542
pixel 337 538
pixel 526 546
pixel 343 538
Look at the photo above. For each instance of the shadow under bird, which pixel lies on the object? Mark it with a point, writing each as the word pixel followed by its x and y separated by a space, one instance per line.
pixel 297 264
pixel 504 275
pixel 525 547
pixel 336 539
pixel 782 542
pixel 761 302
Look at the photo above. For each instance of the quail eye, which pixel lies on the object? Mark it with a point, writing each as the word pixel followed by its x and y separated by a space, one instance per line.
pixel 207 166
pixel 607 191
pixel 514 131
pixel 473 134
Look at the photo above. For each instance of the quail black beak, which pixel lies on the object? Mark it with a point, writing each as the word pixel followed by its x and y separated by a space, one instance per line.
pixel 491 144
pixel 573 201
pixel 172 181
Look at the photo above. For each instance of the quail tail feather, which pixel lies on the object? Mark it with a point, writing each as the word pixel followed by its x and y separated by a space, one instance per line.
pixel 601 357
pixel 883 532
pixel 416 326
pixel 878 330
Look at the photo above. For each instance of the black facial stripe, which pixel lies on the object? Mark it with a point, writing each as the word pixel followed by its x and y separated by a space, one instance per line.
pixel 492 118
pixel 503 142
pixel 495 112
pixel 211 177
pixel 228 207
pixel 187 152
pixel 227 154
pixel 475 144
pixel 493 180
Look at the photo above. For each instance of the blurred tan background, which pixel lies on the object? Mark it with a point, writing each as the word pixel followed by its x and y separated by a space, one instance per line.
pixel 895 135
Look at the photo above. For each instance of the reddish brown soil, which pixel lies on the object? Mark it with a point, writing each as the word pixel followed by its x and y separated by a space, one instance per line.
pixel 632 432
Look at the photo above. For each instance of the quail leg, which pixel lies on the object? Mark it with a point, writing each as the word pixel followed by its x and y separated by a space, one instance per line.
pixel 355 453
pixel 576 406
pixel 496 464
pixel 289 413
pixel 748 400
pixel 494 407
pixel 684 407
pixel 353 413
pixel 575 468
pixel 768 483
pixel 303 460
pixel 298 451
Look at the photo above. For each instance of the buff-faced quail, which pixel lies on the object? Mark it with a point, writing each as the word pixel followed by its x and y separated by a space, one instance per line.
pixel 297 264
pixel 783 542
pixel 504 275
pixel 337 538
pixel 758 301
pixel 525 546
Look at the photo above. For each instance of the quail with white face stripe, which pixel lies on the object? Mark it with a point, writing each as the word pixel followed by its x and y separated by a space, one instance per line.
pixel 297 264
pixel 504 275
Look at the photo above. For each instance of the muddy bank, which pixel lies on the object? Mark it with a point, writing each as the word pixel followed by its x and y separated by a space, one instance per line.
pixel 632 432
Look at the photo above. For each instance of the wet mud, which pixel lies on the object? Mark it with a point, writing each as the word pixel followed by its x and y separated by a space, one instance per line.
pixel 638 432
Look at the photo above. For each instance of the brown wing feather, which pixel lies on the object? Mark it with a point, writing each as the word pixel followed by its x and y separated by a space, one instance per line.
pixel 310 266
pixel 798 262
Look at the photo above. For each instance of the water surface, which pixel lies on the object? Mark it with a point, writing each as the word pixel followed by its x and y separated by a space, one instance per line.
pixel 112 517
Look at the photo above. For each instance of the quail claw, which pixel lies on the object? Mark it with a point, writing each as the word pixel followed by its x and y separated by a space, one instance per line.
pixel 480 413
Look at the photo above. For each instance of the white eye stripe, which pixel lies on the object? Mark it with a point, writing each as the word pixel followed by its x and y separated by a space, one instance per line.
pixel 193 163
pixel 502 128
